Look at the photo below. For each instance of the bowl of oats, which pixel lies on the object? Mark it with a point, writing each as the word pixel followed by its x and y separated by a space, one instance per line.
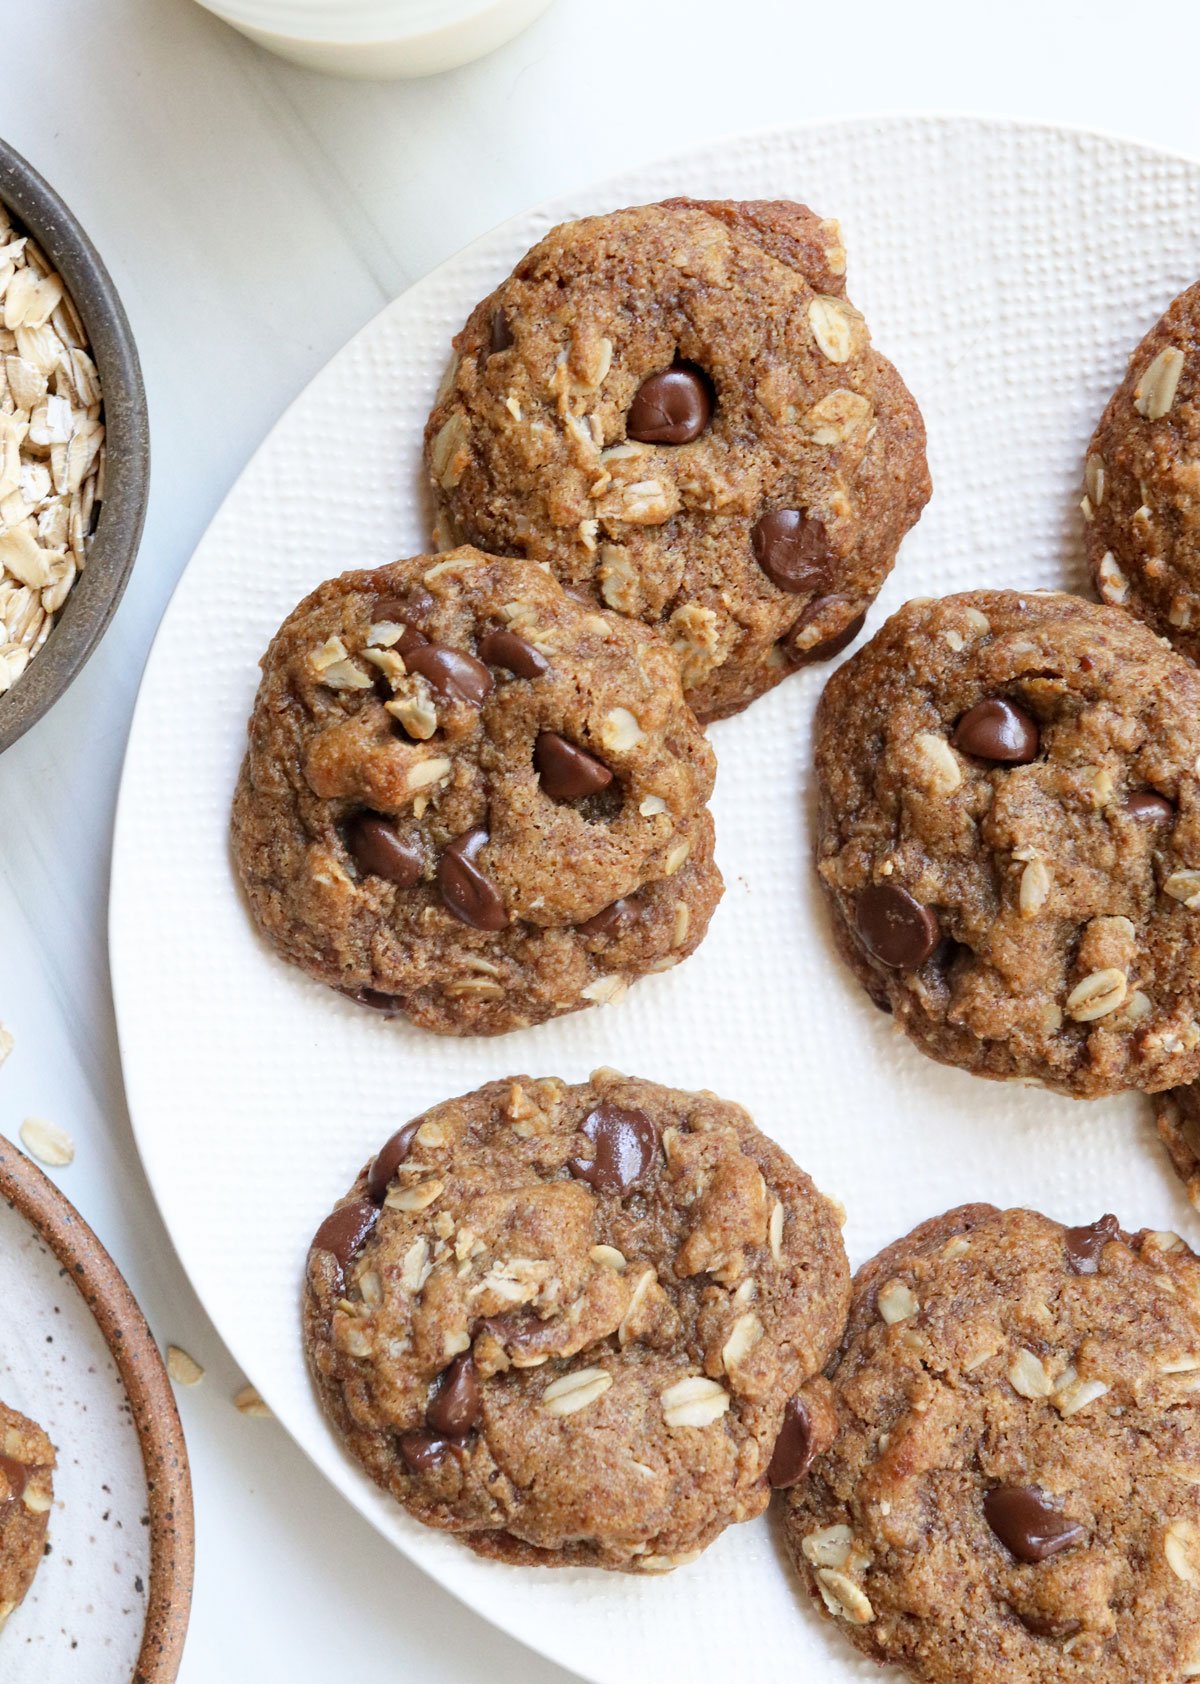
pixel 74 447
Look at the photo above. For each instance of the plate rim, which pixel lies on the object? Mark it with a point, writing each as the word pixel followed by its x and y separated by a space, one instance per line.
pixel 934 118
pixel 126 1333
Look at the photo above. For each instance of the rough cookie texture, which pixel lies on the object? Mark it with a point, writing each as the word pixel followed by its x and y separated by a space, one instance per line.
pixel 26 1492
pixel 1142 499
pixel 1009 830
pixel 678 409
pixel 1014 1491
pixel 564 1322
pixel 1177 1114
pixel 471 799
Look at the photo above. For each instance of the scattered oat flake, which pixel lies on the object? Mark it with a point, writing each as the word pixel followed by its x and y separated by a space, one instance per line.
pixel 47 1142
pixel 182 1367
pixel 248 1402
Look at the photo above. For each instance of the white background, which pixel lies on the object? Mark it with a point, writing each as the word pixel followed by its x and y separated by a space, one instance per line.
pixel 254 216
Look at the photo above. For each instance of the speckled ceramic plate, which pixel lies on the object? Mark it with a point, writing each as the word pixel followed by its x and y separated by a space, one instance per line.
pixel 110 1600
pixel 1007 269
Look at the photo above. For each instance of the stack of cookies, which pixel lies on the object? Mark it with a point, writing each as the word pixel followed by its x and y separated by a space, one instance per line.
pixel 597 1324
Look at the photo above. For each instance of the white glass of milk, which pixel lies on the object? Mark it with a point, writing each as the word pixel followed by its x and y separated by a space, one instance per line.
pixel 379 38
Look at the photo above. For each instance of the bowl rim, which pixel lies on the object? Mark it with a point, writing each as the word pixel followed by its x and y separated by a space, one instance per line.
pixel 44 215
pixel 123 1326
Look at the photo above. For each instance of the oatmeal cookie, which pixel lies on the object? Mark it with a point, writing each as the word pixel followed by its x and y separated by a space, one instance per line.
pixel 1177 1114
pixel 472 800
pixel 26 1492
pixel 1014 1491
pixel 1009 831
pixel 1142 500
pixel 566 1322
pixel 678 409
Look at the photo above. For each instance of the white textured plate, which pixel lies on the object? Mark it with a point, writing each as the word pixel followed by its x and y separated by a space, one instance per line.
pixel 85 1612
pixel 1008 270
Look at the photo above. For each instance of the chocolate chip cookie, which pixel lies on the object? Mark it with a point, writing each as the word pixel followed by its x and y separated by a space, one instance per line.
pixel 1177 1114
pixel 1009 832
pixel 1142 501
pixel 470 799
pixel 678 409
pixel 26 1492
pixel 1014 1492
pixel 564 1322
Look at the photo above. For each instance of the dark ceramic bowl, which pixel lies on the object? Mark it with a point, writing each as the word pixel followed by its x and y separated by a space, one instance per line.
pixel 96 593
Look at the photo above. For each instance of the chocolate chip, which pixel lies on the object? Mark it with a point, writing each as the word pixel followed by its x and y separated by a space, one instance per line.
pixel 454 1408
pixel 379 850
pixel 388 1160
pixel 1149 806
pixel 505 649
pixel 499 333
pixel 422 1452
pixel 390 1004
pixel 792 548
pixel 828 647
pixel 795 1449
pixel 1026 1523
pixel 406 611
pixel 452 672
pixel 466 892
pixel 614 919
pixel 1048 1625
pixel 626 1144
pixel 997 729
pixel 1084 1245
pixel 16 1477
pixel 343 1233
pixel 671 407
pixel 895 928
pixel 567 771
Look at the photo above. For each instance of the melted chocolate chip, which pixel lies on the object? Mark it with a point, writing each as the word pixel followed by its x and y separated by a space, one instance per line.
pixel 895 928
pixel 465 891
pixel 388 1160
pixel 567 771
pixel 997 729
pixel 505 649
pixel 1084 1245
pixel 454 1408
pixel 614 919
pixel 16 1477
pixel 422 1452
pixel 379 850
pixel 626 1144
pixel 405 611
pixel 344 1232
pixel 1026 1523
pixel 1048 1625
pixel 1149 806
pixel 499 333
pixel 390 1004
pixel 829 646
pixel 795 1450
pixel 452 673
pixel 793 549
pixel 671 407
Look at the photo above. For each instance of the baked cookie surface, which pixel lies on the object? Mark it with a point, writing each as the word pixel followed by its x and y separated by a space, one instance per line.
pixel 564 1322
pixel 470 799
pixel 26 1492
pixel 1142 501
pixel 1009 830
pixel 676 407
pixel 1014 1492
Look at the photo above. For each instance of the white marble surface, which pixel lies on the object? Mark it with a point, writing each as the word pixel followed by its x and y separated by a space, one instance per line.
pixel 254 215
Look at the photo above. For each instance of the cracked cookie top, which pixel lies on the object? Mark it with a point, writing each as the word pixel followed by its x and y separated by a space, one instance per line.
pixel 26 1492
pixel 677 408
pixel 1142 482
pixel 1014 1489
pixel 470 798
pixel 1009 830
pixel 564 1322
